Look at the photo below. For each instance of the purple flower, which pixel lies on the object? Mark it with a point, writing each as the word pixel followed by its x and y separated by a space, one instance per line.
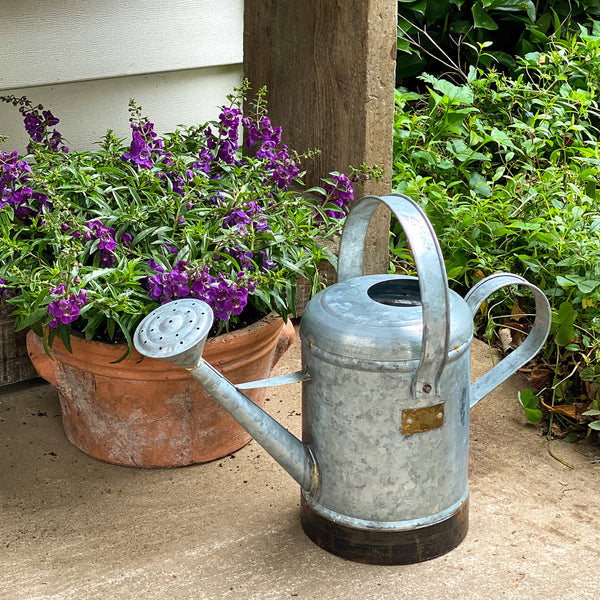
pixel 14 191
pixel 225 297
pixel 49 118
pixel 65 310
pixel 164 287
pixel 267 263
pixel 230 117
pixel 139 152
pixel 226 151
pixel 104 234
pixel 283 169
pixel 230 122
pixel 339 191
pixel 204 161
pixel 155 285
pixel 249 215
pixel 268 138
pixel 243 257
pixel 262 132
pixel 177 181
pixel 266 150
pixel 106 243
pixel 217 199
pixel 237 217
pixel 5 291
pixel 33 126
pixel 145 145
pixel 154 265
pixel 58 290
pixel 37 125
pixel 202 286
pixel 126 239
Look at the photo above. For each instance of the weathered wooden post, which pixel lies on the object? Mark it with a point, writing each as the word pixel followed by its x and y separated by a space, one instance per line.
pixel 330 70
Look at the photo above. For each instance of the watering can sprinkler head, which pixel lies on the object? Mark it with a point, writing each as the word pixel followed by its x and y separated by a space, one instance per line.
pixel 175 332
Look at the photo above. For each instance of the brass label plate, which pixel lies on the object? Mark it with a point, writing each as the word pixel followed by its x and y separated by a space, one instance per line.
pixel 418 420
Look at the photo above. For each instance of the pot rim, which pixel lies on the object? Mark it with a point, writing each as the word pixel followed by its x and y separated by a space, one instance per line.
pixel 101 357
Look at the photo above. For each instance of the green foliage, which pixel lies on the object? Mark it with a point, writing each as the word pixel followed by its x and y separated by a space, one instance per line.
pixel 530 402
pixel 507 169
pixel 438 36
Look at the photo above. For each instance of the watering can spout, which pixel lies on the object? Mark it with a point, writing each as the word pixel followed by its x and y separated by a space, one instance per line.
pixel 176 332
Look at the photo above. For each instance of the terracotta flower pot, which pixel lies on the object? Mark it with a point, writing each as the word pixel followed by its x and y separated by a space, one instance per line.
pixel 149 413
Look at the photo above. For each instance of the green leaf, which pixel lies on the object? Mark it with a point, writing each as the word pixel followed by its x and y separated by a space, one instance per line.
pixel 595 425
pixel 32 318
pixel 588 286
pixel 589 374
pixel 456 94
pixel 512 6
pixel 481 20
pixel 65 336
pixel 566 313
pixel 501 138
pixel 528 399
pixel 571 438
pixel 564 282
pixel 533 415
pixel 565 334
pixel 591 413
pixel 94 274
pixel 480 185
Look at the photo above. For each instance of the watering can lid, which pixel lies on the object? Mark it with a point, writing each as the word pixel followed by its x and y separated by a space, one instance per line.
pixel 377 317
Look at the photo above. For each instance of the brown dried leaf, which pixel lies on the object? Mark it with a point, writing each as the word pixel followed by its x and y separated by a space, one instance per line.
pixel 511 336
pixel 506 339
pixel 540 377
pixel 568 410
pixel 516 312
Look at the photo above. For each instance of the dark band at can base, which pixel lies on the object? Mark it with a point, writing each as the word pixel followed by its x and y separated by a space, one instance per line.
pixel 383 547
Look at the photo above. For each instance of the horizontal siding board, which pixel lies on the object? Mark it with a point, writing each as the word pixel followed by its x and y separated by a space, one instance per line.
pixel 87 109
pixel 61 41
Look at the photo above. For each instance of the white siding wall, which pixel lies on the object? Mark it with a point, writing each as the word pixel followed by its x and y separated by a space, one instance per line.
pixel 84 59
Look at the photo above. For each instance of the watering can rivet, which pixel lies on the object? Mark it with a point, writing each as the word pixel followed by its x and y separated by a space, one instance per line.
pixel 426 388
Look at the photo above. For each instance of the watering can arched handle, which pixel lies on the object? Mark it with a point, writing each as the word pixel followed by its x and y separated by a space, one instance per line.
pixel 431 270
pixel 527 350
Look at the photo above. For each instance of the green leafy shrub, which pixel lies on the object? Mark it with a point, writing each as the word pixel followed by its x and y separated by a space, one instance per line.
pixel 507 169
pixel 441 35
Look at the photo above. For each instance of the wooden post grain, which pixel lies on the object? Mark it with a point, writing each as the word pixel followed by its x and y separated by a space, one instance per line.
pixel 15 365
pixel 329 66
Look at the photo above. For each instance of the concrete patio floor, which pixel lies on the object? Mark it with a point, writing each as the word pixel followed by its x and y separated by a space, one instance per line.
pixel 74 528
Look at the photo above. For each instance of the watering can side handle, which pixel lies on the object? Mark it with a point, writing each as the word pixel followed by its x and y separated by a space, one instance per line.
pixel 527 350
pixel 431 270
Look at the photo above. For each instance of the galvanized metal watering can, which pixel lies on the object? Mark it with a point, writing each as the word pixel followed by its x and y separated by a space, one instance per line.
pixel 386 395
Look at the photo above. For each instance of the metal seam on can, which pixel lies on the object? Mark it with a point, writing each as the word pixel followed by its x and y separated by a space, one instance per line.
pixel 385 525
pixel 382 366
